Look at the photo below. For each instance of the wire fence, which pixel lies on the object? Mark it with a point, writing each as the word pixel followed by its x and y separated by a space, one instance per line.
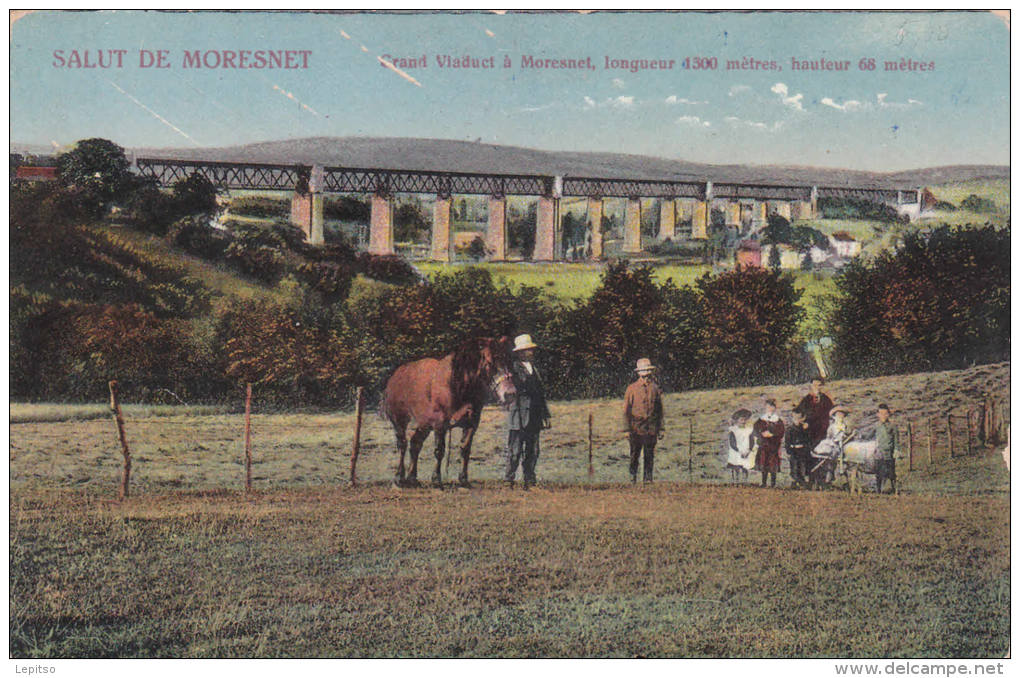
pixel 928 444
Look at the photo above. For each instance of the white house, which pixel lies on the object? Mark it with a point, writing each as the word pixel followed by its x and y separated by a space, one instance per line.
pixel 844 245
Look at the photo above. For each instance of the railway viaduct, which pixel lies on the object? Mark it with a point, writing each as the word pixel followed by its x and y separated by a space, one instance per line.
pixel 678 199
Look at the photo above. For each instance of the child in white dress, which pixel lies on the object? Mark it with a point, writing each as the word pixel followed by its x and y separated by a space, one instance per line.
pixel 740 445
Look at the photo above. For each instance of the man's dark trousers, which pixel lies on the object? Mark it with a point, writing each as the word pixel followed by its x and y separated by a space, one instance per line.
pixel 638 443
pixel 522 448
pixel 885 469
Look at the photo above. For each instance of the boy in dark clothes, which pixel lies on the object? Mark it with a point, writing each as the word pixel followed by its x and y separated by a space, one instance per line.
pixel 798 449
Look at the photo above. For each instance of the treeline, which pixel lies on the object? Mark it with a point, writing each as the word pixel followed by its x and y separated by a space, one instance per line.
pixel 938 301
pixel 88 306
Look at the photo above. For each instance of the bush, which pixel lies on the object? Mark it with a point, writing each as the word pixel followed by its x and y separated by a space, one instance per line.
pixel 258 252
pixel 388 268
pixel 149 209
pixel 977 204
pixel 939 301
pixel 409 224
pixel 260 208
pixel 859 208
pixel 346 208
pixel 196 237
pixel 331 279
pixel 594 343
pixel 750 317
pixel 292 355
pixel 72 350
pixel 194 195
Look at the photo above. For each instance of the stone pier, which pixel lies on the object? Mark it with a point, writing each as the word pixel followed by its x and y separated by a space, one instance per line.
pixel 380 239
pixel 732 211
pixel 301 212
pixel 699 220
pixel 667 219
pixel 495 232
pixel 632 226
pixel 760 215
pixel 545 229
pixel 595 224
pixel 306 207
pixel 441 240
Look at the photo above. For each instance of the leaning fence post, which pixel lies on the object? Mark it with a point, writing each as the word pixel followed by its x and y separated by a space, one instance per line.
pixel 910 446
pixel 931 445
pixel 125 477
pixel 356 448
pixel 949 428
pixel 591 468
pixel 247 438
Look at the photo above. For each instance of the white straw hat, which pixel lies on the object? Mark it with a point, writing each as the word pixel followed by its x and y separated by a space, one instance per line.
pixel 524 342
pixel 644 365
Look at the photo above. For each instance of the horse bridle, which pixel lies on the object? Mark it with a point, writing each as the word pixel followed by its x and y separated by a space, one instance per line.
pixel 499 379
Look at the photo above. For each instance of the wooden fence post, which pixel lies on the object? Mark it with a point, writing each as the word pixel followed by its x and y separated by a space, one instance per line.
pixel 247 438
pixel 125 477
pixel 591 468
pixel 949 428
pixel 910 446
pixel 931 445
pixel 690 450
pixel 970 445
pixel 449 448
pixel 982 430
pixel 356 448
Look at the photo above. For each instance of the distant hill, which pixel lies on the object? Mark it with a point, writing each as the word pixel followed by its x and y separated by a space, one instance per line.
pixel 465 156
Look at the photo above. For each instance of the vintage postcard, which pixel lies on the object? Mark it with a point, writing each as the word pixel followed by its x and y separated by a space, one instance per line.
pixel 511 334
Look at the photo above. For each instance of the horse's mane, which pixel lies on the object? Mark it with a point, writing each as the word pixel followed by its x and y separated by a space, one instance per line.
pixel 464 379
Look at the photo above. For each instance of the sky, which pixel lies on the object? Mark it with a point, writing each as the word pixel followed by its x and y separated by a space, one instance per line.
pixel 859 118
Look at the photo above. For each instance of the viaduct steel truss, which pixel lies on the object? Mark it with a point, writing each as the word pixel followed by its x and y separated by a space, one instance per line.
pixel 255 176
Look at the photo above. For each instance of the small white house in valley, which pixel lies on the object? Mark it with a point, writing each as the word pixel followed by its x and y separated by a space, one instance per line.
pixel 844 245
pixel 818 255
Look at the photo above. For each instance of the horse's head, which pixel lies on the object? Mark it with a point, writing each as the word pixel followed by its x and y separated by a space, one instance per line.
pixel 495 368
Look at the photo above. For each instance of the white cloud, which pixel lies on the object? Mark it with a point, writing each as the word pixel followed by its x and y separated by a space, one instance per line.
pixel 692 120
pixel 794 101
pixel 882 103
pixel 540 107
pixel 622 101
pixel 737 89
pixel 848 106
pixel 764 127
pixel 618 83
pixel 672 100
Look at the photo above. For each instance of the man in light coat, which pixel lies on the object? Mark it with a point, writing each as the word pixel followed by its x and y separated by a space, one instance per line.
pixel 528 415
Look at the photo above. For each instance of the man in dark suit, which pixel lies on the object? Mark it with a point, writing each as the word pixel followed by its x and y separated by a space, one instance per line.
pixel 816 407
pixel 528 415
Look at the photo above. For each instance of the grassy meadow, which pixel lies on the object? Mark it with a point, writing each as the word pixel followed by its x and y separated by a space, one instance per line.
pixel 191 566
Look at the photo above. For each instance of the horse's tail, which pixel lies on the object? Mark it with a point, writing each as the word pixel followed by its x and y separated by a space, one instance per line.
pixel 384 383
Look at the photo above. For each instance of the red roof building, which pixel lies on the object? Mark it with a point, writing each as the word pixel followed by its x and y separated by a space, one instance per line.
pixel 748 254
pixel 36 173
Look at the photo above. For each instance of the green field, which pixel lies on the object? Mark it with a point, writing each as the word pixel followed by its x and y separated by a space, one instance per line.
pixel 307 566
pixel 577 281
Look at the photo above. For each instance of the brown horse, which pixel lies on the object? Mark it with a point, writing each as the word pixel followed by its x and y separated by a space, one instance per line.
pixel 439 394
